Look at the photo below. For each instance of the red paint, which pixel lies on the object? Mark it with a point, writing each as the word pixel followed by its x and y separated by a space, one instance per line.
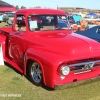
pixel 50 49
pixel 4 9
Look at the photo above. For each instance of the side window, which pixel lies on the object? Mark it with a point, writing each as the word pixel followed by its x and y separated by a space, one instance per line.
pixel 20 23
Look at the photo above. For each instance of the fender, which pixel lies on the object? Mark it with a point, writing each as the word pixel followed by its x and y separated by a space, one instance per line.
pixel 2 48
pixel 43 57
pixel 32 54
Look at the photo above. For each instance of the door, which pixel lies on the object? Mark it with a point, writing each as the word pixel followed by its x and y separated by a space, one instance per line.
pixel 17 41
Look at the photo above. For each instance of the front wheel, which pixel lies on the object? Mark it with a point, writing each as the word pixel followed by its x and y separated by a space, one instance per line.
pixel 35 73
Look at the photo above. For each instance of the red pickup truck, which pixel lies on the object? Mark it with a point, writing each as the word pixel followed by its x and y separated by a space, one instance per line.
pixel 49 55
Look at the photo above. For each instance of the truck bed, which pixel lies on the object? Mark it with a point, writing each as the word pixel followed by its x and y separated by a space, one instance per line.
pixel 5 30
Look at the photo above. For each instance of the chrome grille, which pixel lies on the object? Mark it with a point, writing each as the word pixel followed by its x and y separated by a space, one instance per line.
pixel 84 66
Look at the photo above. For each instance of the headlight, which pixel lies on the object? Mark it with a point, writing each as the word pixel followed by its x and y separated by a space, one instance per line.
pixel 65 70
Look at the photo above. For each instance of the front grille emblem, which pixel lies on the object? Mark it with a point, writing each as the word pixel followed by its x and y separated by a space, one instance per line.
pixel 89 65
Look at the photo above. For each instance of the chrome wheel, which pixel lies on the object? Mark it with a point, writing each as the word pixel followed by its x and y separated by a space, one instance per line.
pixel 36 73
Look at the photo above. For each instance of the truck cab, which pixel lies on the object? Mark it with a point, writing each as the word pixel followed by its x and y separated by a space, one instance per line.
pixel 28 23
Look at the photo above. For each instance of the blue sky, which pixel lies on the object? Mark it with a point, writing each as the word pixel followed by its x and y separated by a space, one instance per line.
pixel 91 4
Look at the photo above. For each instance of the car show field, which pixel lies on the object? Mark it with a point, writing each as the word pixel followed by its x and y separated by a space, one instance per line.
pixel 15 86
pixel 47 54
pixel 45 58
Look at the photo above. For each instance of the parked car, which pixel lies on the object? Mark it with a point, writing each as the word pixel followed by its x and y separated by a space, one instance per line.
pixel 8 16
pixel 36 47
pixel 1 17
pixel 64 23
pixel 71 19
pixel 93 33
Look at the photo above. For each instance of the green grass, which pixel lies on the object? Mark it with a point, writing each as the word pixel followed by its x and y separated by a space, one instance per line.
pixel 12 83
pixel 2 24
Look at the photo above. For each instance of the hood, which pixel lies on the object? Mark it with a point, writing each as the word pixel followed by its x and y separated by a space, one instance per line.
pixel 64 43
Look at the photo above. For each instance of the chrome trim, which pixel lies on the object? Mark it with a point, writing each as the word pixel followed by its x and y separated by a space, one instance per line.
pixel 84 63
pixel 83 71
pixel 87 66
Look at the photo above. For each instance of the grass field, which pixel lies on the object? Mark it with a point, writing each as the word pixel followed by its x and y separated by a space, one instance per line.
pixel 3 24
pixel 13 86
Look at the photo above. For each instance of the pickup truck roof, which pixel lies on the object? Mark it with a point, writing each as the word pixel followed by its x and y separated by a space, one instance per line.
pixel 42 11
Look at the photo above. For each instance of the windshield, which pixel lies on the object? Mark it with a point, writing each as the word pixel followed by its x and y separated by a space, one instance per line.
pixel 47 22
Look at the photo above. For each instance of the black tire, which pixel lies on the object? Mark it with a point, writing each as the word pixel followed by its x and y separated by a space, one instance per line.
pixel 35 73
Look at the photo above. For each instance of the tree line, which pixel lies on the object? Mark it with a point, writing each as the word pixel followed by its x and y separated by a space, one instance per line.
pixel 67 10
pixel 23 7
